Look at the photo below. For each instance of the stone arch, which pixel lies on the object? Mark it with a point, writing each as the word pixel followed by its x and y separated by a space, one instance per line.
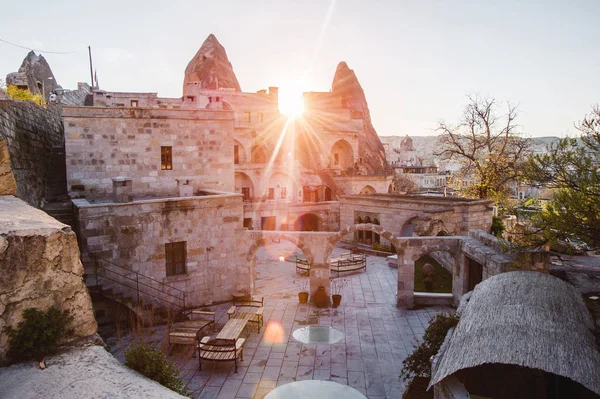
pixel 239 156
pixel 262 238
pixel 367 190
pixel 409 225
pixel 244 185
pixel 329 194
pixel 308 222
pixel 258 154
pixel 341 155
pixel 363 227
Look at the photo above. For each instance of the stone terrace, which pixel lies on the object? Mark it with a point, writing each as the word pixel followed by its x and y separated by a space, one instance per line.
pixel 378 336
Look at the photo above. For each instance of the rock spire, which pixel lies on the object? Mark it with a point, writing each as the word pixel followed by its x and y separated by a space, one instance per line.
pixel 345 84
pixel 211 67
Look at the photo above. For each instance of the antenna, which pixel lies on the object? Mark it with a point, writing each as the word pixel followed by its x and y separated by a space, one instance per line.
pixel 91 69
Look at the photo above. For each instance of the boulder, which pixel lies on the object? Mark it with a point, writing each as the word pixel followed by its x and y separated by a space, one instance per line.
pixel 40 267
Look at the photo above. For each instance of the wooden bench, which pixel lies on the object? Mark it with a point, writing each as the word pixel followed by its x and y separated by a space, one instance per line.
pixel 220 350
pixel 349 262
pixel 302 264
pixel 249 310
pixel 188 332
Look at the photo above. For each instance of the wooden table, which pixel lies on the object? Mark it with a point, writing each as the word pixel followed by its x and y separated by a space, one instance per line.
pixel 232 329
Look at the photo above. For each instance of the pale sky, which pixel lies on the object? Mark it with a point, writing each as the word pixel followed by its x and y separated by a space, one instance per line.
pixel 416 60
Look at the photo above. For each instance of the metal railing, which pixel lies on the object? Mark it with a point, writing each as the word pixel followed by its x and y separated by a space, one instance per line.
pixel 142 287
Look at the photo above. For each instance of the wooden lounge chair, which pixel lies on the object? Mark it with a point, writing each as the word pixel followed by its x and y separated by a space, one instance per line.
pixel 220 350
pixel 251 310
pixel 188 332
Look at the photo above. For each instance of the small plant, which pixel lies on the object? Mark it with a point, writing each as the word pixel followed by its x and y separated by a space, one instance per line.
pixel 382 248
pixel 337 285
pixel 497 226
pixel 39 334
pixel 418 363
pixel 152 362
pixel 301 283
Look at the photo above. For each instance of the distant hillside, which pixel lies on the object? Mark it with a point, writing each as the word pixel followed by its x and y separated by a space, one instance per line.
pixel 425 146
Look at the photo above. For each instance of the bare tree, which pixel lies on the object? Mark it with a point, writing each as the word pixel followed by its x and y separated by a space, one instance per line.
pixel 489 148
pixel 403 184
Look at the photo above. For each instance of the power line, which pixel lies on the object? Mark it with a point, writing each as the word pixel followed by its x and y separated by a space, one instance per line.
pixel 39 51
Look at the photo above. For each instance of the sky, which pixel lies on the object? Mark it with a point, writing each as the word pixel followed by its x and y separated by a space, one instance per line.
pixel 417 61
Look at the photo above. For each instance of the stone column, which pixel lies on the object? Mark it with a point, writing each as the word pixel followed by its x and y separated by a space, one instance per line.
pixel 406 283
pixel 122 189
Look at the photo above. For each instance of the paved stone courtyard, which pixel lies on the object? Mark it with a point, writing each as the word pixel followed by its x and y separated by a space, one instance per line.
pixel 378 336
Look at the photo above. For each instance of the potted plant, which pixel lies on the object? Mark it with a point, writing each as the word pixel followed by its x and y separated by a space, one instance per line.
pixel 302 284
pixel 337 287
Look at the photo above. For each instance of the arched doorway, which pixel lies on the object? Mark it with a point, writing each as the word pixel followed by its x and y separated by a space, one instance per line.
pixel 367 190
pixel 329 196
pixel 239 153
pixel 341 155
pixel 281 187
pixel 244 186
pixel 308 222
pixel 258 154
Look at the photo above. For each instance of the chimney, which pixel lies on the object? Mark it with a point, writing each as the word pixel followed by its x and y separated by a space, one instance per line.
pixel 186 188
pixel 274 93
pixel 122 189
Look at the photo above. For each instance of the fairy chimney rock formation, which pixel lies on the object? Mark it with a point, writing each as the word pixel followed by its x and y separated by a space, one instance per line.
pixel 34 74
pixel 211 68
pixel 345 84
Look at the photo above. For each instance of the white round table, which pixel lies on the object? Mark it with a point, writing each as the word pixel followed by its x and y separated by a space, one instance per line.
pixel 314 389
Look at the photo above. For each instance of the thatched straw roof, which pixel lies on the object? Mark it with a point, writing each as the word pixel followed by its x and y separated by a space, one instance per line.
pixel 528 319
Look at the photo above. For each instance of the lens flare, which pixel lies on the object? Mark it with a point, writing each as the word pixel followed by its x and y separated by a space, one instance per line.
pixel 274 333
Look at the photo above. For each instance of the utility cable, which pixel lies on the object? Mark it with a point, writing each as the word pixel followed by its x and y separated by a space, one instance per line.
pixel 40 51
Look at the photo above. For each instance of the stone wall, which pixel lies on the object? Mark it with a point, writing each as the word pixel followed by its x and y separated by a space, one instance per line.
pixel 27 134
pixel 134 235
pixel 39 267
pixel 287 214
pixel 407 215
pixel 103 143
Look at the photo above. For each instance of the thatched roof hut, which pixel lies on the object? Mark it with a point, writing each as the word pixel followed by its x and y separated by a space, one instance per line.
pixel 524 320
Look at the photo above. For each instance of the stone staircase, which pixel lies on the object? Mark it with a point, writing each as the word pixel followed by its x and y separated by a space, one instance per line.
pixel 328 180
pixel 151 301
pixel 56 202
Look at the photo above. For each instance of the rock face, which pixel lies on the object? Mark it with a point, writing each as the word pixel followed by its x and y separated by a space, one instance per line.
pixel 39 267
pixel 345 84
pixel 36 72
pixel 211 67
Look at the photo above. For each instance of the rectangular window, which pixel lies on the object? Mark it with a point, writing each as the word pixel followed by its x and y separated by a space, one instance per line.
pixel 175 258
pixel 271 194
pixel 166 158
pixel 236 154
pixel 336 159
pixel 248 223
pixel 134 103
pixel 283 192
pixel 247 117
pixel 246 193
pixel 259 117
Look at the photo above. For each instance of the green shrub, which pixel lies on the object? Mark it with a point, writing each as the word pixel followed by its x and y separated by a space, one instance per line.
pixel 497 226
pixel 383 248
pixel 39 333
pixel 418 364
pixel 152 362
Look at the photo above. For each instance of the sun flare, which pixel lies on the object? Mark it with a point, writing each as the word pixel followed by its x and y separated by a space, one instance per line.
pixel 290 100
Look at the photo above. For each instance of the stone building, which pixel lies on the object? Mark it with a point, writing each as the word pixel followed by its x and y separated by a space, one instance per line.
pixel 169 189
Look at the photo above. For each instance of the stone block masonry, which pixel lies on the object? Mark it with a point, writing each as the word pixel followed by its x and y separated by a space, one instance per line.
pixel 153 147
pixel 39 267
pixel 134 235
pixel 27 134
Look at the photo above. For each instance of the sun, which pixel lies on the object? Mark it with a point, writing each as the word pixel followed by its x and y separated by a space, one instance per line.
pixel 290 100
